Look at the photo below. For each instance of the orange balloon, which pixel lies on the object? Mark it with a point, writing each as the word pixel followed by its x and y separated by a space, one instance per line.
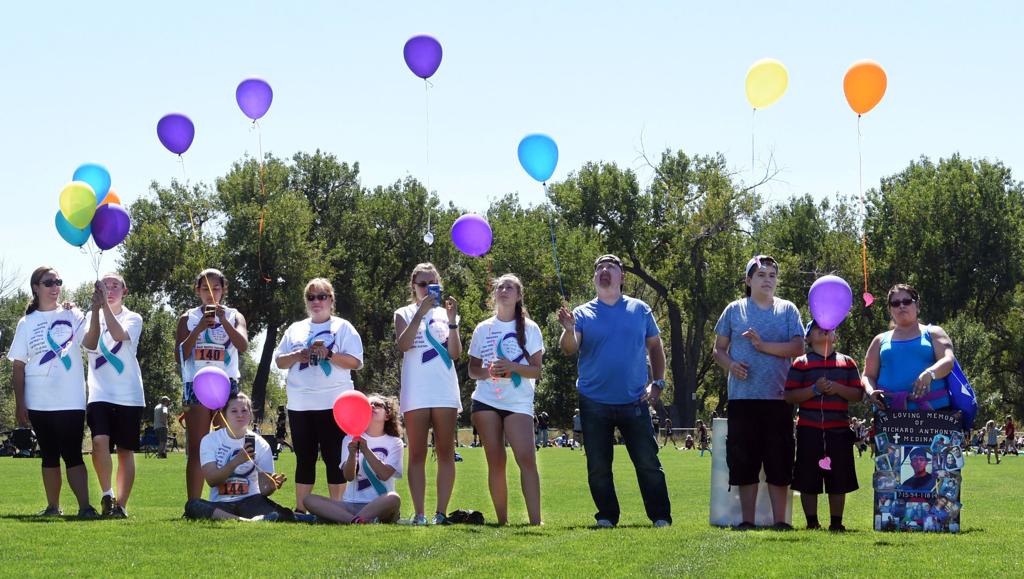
pixel 111 198
pixel 864 85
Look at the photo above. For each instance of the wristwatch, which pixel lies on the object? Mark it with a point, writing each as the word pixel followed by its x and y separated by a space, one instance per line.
pixel 330 354
pixel 452 326
pixel 659 383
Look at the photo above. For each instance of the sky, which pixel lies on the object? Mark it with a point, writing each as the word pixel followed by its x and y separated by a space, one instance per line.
pixel 87 82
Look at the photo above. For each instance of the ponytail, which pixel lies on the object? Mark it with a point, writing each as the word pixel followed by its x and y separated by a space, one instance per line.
pixel 34 279
pixel 32 305
pixel 521 325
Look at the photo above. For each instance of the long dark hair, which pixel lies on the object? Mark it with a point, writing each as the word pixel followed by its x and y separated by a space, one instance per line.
pixel 37 276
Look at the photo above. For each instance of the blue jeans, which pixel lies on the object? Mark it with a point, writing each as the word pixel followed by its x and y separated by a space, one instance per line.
pixel 634 423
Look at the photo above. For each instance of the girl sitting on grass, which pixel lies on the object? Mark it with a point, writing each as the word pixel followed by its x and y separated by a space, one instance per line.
pixel 370 464
pixel 239 467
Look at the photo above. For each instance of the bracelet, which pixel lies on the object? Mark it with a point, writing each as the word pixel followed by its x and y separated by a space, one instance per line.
pixel 330 354
pixel 814 389
pixel 453 326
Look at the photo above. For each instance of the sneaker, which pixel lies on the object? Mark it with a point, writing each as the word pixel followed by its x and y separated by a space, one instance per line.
pixel 118 512
pixel 419 521
pixel 106 505
pixel 440 519
pixel 88 513
pixel 604 524
pixel 814 527
pixel 840 528
pixel 661 523
pixel 780 526
pixel 50 512
pixel 271 516
pixel 745 526
pixel 304 517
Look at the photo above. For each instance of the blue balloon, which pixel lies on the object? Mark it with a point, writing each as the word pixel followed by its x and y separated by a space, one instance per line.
pixel 538 154
pixel 70 233
pixel 96 176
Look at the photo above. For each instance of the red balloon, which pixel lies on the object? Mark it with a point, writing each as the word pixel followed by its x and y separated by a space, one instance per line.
pixel 352 412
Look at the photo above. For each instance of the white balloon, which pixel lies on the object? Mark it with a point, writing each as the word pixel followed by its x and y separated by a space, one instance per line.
pixel 428 238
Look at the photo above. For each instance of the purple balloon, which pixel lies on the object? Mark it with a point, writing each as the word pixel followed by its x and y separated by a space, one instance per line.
pixel 472 235
pixel 212 387
pixel 254 96
pixel 110 225
pixel 176 132
pixel 829 300
pixel 423 55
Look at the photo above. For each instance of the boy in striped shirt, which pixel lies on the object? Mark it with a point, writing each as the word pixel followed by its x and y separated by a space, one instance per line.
pixel 823 389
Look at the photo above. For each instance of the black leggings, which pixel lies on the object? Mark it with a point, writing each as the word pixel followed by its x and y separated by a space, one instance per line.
pixel 59 433
pixel 314 430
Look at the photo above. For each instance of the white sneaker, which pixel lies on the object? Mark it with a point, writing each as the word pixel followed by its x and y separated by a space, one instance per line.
pixel 604 524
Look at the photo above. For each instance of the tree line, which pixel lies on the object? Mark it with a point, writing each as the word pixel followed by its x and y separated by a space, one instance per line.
pixel 951 228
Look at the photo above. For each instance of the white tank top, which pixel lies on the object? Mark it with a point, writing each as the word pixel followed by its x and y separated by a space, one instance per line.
pixel 213 347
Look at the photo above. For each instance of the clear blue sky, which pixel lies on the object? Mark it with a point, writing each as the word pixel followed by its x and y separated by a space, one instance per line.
pixel 87 81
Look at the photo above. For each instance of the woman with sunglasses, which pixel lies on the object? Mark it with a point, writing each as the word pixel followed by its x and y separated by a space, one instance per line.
pixel 319 353
pixel 506 355
pixel 907 366
pixel 428 337
pixel 49 388
pixel 211 334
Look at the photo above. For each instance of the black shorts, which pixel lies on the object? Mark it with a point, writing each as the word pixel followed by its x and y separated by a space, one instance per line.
pixel 188 396
pixel 59 434
pixel 760 435
pixel 481 407
pixel 811 447
pixel 121 423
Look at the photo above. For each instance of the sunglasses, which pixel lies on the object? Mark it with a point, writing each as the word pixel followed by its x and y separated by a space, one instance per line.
pixel 423 283
pixel 52 282
pixel 378 404
pixel 317 297
pixel 903 302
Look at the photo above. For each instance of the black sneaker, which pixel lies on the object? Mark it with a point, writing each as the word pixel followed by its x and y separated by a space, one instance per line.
pixel 50 512
pixel 304 517
pixel 813 527
pixel 106 506
pixel 88 513
pixel 745 526
pixel 118 512
pixel 837 528
pixel 780 526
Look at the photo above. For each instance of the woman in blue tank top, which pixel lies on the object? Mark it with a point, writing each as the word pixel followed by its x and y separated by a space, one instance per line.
pixel 910 362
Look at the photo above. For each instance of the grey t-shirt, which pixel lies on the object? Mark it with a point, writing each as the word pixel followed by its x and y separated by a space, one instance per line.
pixel 766 377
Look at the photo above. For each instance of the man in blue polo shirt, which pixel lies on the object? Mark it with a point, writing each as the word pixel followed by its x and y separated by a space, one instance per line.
pixel 614 335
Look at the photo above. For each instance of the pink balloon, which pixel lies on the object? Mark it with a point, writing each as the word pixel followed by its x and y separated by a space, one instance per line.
pixel 352 412
pixel 212 387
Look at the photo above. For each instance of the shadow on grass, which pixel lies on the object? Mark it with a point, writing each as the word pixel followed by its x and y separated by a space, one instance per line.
pixel 60 519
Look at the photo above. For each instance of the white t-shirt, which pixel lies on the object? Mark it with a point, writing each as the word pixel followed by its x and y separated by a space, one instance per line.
pixel 493 339
pixel 317 387
pixel 427 381
pixel 215 346
pixel 50 345
pixel 114 374
pixel 220 448
pixel 389 450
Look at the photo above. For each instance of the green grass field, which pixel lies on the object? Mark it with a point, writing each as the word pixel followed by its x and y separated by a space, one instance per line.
pixel 156 541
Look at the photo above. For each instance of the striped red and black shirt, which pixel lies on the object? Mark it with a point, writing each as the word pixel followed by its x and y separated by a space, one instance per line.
pixel 829 411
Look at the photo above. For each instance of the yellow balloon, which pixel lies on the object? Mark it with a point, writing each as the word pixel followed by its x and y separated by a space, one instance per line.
pixel 78 203
pixel 767 80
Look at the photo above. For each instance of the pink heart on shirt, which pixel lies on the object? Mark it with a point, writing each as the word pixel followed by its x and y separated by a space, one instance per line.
pixel 825 463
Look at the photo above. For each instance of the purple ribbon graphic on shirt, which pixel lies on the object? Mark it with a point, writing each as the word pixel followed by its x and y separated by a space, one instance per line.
pixel 371 477
pixel 110 356
pixel 57 350
pixel 439 348
pixel 516 378
pixel 324 364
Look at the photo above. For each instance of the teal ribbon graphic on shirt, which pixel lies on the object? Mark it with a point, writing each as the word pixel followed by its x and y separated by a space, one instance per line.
pixel 57 350
pixel 516 378
pixel 325 365
pixel 438 348
pixel 110 357
pixel 372 477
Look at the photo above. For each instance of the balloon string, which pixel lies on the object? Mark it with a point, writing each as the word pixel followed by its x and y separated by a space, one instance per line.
pixel 263 204
pixel 753 177
pixel 864 207
pixel 426 106
pixel 554 250
pixel 251 458
pixel 192 220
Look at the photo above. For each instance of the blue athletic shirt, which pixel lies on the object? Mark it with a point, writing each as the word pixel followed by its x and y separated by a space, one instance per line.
pixel 613 351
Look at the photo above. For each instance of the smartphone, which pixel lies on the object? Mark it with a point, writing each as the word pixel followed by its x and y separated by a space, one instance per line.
pixel 313 358
pixel 250 440
pixel 210 310
pixel 435 290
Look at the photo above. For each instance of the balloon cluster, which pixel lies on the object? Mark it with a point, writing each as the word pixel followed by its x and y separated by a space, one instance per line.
pixel 89 208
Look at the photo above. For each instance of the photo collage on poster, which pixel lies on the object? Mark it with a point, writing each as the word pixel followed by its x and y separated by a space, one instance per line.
pixel 918 469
